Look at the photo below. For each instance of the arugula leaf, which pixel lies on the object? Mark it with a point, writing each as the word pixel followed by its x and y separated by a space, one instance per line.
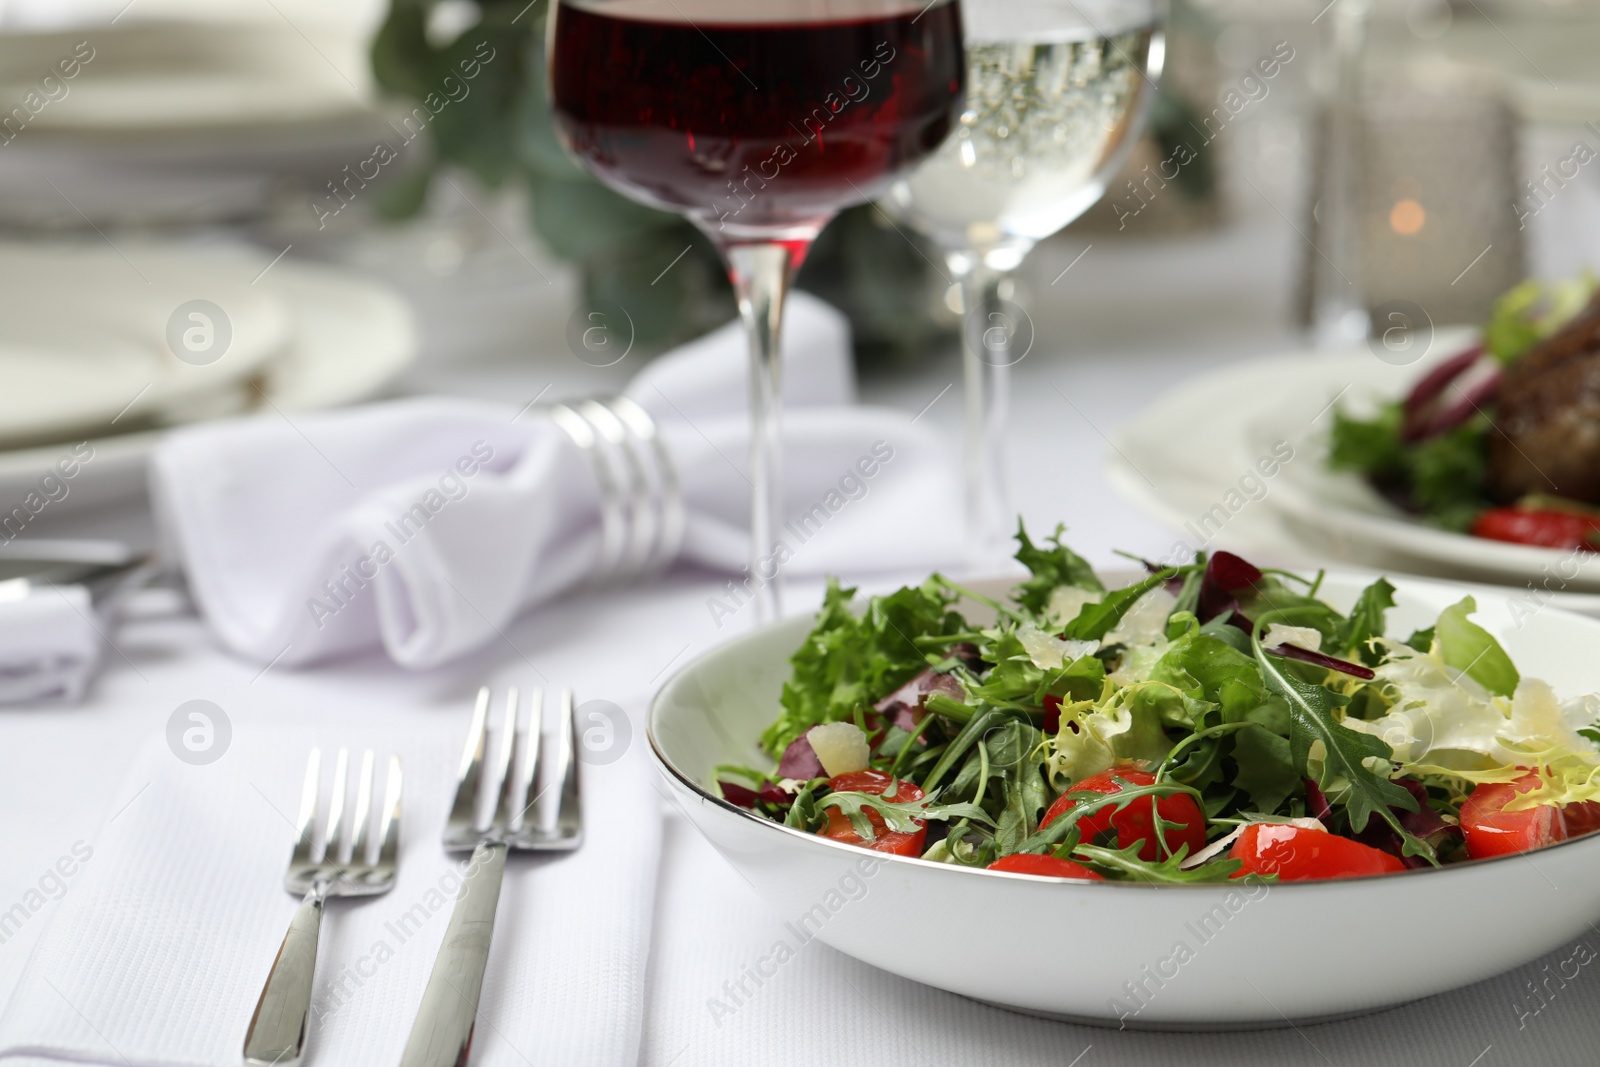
pixel 849 661
pixel 1014 752
pixel 1094 621
pixel 1345 751
pixel 1365 621
pixel 898 816
pixel 1471 649
pixel 1126 862
pixel 970 733
pixel 1087 803
pixel 804 813
pixel 1052 566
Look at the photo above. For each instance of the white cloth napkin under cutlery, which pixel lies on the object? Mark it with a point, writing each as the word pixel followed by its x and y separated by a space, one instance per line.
pixel 159 948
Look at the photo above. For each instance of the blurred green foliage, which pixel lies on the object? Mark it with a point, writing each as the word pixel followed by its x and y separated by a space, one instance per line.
pixel 502 131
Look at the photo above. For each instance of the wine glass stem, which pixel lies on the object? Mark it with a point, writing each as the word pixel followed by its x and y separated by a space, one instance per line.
pixel 1340 300
pixel 986 368
pixel 761 274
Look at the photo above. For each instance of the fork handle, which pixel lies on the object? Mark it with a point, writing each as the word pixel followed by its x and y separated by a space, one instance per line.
pixel 441 1036
pixel 277 1034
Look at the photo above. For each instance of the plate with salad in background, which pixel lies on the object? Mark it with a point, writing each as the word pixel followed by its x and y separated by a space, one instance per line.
pixel 1202 795
pixel 1487 460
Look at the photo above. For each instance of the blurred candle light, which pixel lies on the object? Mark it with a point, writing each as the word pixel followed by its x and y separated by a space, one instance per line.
pixel 1407 217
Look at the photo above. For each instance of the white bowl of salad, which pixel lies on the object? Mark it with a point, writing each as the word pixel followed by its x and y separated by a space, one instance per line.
pixel 1212 797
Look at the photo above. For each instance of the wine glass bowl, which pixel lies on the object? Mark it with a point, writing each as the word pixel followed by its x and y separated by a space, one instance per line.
pixel 757 122
pixel 763 124
pixel 1057 94
pixel 1054 103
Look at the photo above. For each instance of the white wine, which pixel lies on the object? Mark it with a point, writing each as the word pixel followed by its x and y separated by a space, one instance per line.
pixel 1046 124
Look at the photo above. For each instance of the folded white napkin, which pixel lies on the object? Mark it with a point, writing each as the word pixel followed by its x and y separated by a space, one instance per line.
pixel 172 916
pixel 426 525
pixel 49 645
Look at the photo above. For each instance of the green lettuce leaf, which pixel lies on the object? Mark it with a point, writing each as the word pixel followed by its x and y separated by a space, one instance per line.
pixel 1532 311
pixel 1052 565
pixel 1267 768
pixel 850 661
pixel 1096 620
pixel 1471 649
pixel 1365 621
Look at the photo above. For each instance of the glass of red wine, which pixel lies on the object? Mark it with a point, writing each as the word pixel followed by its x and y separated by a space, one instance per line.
pixel 757 120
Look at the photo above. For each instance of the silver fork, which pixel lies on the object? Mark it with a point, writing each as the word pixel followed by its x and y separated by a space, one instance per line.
pixel 277 1034
pixel 441 1036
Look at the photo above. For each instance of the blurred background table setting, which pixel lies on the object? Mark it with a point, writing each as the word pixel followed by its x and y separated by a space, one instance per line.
pixel 357 356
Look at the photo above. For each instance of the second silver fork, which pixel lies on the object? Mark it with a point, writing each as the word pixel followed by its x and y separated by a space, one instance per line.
pixel 441 1036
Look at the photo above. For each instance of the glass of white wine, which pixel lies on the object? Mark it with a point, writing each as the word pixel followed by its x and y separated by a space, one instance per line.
pixel 1057 93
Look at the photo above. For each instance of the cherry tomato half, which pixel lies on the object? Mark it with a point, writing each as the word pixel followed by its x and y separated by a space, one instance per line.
pixel 1185 825
pixel 1492 831
pixel 1581 818
pixel 1547 527
pixel 1049 866
pixel 1299 854
pixel 876 783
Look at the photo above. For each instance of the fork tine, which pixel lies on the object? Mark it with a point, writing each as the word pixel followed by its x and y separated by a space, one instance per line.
pixel 464 809
pixel 568 820
pixel 511 744
pixel 358 844
pixel 389 829
pixel 308 811
pixel 335 835
pixel 515 800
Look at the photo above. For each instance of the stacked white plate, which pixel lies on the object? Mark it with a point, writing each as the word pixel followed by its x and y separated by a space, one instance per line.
pixel 174 122
pixel 1197 458
pixel 109 344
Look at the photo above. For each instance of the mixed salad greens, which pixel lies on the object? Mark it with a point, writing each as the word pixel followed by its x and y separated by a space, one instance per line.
pixel 1432 452
pixel 1210 721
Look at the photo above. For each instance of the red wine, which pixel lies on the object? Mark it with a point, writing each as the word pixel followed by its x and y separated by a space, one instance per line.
pixel 751 121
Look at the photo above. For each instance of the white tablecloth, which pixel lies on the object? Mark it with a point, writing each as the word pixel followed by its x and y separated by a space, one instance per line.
pixel 61 766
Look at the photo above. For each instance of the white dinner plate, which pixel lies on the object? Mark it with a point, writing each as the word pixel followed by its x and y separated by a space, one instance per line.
pixel 87 337
pixel 345 338
pixel 1288 953
pixel 1198 448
